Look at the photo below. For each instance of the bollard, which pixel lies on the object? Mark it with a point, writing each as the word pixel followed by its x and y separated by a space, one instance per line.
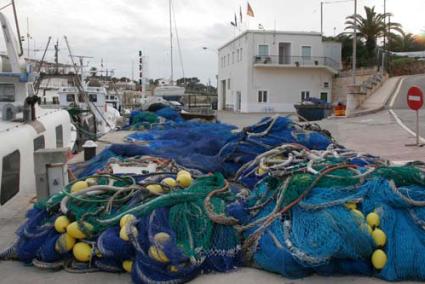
pixel 89 150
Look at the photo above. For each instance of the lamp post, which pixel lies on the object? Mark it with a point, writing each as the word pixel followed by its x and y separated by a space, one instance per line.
pixel 216 52
pixel 351 100
pixel 355 43
pixel 216 76
pixel 321 18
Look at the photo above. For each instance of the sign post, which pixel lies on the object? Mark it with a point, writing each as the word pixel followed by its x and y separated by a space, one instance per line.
pixel 415 100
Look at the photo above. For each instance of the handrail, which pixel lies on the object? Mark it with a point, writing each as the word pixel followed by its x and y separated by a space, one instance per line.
pixel 296 60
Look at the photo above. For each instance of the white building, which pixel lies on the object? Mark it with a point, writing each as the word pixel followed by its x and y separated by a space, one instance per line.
pixel 270 71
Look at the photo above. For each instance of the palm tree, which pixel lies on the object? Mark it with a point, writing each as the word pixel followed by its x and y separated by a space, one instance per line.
pixel 402 42
pixel 371 27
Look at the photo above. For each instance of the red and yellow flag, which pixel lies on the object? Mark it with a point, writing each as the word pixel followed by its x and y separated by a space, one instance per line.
pixel 249 11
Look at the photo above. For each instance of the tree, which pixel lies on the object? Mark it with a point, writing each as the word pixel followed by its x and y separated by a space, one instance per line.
pixel 188 81
pixel 403 42
pixel 406 42
pixel 346 41
pixel 371 27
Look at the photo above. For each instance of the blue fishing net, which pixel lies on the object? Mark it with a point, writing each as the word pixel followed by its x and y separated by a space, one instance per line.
pixel 306 218
pixel 211 147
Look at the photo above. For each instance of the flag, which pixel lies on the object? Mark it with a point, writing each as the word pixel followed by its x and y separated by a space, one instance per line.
pixel 240 14
pixel 235 23
pixel 249 11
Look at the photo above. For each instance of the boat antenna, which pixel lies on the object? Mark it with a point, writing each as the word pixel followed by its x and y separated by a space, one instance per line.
pixel 178 41
pixel 21 50
pixel 80 83
pixel 40 65
pixel 171 42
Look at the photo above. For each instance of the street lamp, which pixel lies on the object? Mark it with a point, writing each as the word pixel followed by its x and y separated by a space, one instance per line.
pixel 216 52
pixel 209 49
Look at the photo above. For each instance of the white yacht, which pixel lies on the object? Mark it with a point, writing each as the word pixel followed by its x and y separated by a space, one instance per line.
pixel 168 91
pixel 24 126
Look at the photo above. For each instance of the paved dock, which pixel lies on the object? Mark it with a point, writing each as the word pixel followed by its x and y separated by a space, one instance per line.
pixel 376 133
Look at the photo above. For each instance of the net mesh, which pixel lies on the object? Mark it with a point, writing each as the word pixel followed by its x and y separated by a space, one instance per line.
pixel 293 203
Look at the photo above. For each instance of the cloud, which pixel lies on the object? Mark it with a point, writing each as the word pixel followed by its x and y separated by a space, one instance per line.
pixel 116 29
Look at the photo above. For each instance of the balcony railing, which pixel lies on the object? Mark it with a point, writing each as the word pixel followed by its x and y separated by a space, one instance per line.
pixel 297 61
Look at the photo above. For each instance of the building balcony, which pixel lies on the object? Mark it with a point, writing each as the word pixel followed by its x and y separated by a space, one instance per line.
pixel 296 62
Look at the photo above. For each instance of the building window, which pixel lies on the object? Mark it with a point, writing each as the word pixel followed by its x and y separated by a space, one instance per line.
pixel 7 92
pixel 59 136
pixel 306 52
pixel 237 55
pixel 324 96
pixel 305 95
pixel 39 143
pixel 70 98
pixel 228 59
pixel 10 176
pixel 228 84
pixel 262 96
pixel 93 98
pixel 263 50
pixel 326 85
pixel 240 53
pixel 233 57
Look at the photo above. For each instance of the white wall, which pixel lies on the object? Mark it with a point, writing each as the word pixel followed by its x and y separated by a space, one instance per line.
pixel 333 50
pixel 235 69
pixel 284 87
pixel 297 40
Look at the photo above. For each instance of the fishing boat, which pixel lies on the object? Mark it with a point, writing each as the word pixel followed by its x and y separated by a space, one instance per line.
pixel 25 127
pixel 97 116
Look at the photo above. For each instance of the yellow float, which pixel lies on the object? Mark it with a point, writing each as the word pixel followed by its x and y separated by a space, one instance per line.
pixel 82 252
pixel 61 223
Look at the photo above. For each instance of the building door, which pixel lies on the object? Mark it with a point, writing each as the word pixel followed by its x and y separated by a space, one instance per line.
pixel 238 101
pixel 284 53
pixel 223 93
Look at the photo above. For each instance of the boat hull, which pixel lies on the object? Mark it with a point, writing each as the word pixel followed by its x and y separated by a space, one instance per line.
pixel 52 129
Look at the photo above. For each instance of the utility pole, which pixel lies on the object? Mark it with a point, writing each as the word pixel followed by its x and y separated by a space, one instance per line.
pixel 385 23
pixel 351 100
pixel 385 37
pixel 389 44
pixel 355 43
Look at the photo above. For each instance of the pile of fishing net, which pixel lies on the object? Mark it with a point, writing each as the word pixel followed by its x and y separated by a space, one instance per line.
pixel 293 203
pixel 213 147
pixel 142 120
pixel 333 212
pixel 158 228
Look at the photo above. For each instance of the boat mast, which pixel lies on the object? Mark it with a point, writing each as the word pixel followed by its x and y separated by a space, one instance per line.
pixel 171 42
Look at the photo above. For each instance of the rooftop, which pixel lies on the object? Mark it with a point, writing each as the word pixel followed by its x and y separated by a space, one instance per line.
pixel 311 33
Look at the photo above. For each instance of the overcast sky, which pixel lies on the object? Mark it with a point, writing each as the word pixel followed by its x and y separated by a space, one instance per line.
pixel 116 29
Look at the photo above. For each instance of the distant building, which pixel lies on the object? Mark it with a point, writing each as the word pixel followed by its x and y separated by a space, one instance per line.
pixel 270 71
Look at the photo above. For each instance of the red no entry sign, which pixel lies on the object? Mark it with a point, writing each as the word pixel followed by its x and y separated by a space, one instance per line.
pixel 415 98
